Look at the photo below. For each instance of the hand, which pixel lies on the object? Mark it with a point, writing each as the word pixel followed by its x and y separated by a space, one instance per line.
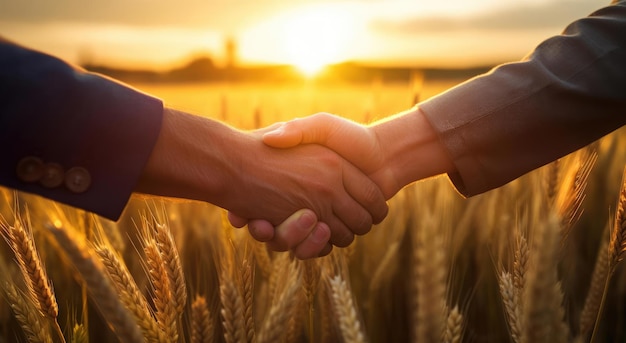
pixel 394 152
pixel 301 233
pixel 357 143
pixel 198 158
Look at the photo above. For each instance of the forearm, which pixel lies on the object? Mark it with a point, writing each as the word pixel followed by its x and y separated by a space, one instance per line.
pixel 193 158
pixel 520 116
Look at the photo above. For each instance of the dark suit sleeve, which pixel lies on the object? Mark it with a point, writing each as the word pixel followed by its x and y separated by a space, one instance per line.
pixel 569 92
pixel 70 135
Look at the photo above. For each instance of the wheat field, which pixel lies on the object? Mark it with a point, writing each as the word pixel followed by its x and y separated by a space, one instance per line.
pixel 538 260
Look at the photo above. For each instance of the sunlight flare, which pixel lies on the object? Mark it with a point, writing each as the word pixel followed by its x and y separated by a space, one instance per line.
pixel 310 37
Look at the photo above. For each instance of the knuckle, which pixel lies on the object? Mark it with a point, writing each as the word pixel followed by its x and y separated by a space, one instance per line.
pixel 372 195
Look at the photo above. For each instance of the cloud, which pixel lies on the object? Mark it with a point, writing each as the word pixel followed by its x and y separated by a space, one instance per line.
pixel 521 17
pixel 224 14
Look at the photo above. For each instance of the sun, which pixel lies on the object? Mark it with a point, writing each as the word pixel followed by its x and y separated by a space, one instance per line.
pixel 314 37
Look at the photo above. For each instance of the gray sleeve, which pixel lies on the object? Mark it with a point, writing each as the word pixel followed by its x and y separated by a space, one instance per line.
pixel 566 94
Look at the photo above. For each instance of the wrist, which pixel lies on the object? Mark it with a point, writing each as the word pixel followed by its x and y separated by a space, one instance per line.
pixel 412 149
pixel 189 159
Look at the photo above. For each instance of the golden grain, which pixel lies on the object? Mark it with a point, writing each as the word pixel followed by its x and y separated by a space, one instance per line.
pixel 102 292
pixel 201 321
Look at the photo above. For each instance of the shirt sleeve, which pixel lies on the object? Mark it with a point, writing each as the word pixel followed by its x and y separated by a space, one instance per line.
pixel 69 135
pixel 570 91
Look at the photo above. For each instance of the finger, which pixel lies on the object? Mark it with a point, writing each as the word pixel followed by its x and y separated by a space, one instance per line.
pixel 268 128
pixel 365 192
pixel 326 250
pixel 354 217
pixel 363 204
pixel 314 244
pixel 236 221
pixel 349 139
pixel 340 234
pixel 296 229
pixel 261 230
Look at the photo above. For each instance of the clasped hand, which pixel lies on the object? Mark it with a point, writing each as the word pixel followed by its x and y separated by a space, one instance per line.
pixel 359 144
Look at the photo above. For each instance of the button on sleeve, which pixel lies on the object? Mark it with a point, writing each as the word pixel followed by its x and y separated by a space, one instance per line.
pixel 53 175
pixel 77 179
pixel 29 169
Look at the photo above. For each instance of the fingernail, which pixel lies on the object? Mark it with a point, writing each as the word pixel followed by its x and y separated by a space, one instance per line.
pixel 305 221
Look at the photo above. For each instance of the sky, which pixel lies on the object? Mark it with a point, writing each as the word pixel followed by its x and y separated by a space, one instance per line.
pixel 157 34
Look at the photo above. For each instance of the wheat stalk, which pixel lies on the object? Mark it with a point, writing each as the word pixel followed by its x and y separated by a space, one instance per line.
pixel 572 195
pixel 247 289
pixel 593 300
pixel 310 282
pixel 201 323
pixel 510 298
pixel 274 325
pixel 542 298
pixel 130 295
pixel 552 180
pixel 80 334
pixel 262 258
pixel 162 296
pixel 232 311
pixel 346 312
pixel 429 280
pixel 173 266
pixel 28 317
pixel 102 292
pixel 617 246
pixel 454 327
pixel 520 263
pixel 38 284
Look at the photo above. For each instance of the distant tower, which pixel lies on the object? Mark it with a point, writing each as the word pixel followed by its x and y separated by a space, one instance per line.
pixel 230 47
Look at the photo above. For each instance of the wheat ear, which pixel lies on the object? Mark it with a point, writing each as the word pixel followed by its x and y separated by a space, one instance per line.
pixel 520 262
pixel 232 311
pixel 80 334
pixel 346 312
pixel 429 278
pixel 572 195
pixel 542 298
pixel 454 327
pixel 173 266
pixel 617 246
pixel 162 296
pixel 38 284
pixel 102 292
pixel 247 290
pixel 30 320
pixel 201 323
pixel 274 326
pixel 130 294
pixel 593 300
pixel 510 298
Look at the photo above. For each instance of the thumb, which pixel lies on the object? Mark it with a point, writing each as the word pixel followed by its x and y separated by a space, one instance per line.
pixel 317 129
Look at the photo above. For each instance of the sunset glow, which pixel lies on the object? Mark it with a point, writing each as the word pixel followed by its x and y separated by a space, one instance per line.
pixel 315 38
pixel 307 34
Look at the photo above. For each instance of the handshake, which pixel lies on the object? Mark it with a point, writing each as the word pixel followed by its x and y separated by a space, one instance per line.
pixel 341 173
